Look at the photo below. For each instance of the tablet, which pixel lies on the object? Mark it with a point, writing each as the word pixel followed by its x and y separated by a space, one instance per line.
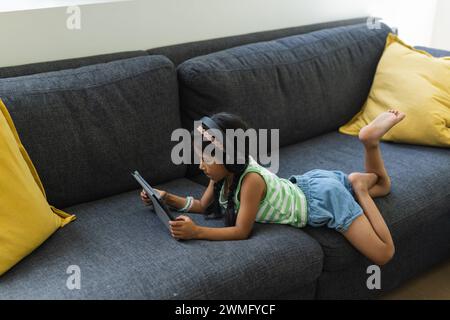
pixel 161 209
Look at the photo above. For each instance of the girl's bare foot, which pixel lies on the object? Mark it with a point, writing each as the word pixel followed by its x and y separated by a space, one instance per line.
pixel 371 134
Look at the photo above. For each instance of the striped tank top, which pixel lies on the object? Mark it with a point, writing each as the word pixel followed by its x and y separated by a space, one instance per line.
pixel 284 202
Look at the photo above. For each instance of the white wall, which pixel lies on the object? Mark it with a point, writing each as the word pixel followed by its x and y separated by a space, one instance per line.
pixel 414 18
pixel 441 32
pixel 8 5
pixel 42 35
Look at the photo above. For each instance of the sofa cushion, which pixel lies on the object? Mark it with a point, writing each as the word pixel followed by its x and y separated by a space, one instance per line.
pixel 47 66
pixel 435 52
pixel 419 194
pixel 179 53
pixel 26 219
pixel 417 84
pixel 86 129
pixel 317 80
pixel 124 252
pixel 419 248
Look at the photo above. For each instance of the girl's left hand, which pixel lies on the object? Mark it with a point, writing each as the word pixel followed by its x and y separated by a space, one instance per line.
pixel 183 228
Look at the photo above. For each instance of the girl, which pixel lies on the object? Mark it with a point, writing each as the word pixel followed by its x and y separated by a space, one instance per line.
pixel 245 193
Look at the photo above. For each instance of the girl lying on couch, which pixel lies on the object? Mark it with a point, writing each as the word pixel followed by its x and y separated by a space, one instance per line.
pixel 245 193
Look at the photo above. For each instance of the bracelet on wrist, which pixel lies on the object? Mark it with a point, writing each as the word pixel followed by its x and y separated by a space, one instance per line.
pixel 188 205
pixel 191 204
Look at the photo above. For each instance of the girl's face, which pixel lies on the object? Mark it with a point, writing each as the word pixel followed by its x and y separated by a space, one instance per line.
pixel 211 169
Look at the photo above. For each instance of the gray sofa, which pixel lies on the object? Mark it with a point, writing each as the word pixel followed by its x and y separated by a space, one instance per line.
pixel 88 122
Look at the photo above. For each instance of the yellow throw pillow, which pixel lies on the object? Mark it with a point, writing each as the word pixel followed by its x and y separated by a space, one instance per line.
pixel 416 83
pixel 26 218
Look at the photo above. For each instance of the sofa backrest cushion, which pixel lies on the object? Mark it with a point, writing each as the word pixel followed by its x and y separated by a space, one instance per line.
pixel 435 52
pixel 87 129
pixel 57 65
pixel 304 85
pixel 178 53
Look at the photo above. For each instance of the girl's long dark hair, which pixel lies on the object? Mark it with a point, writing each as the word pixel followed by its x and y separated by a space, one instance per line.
pixel 228 121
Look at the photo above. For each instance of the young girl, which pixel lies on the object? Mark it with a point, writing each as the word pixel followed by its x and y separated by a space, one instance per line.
pixel 245 193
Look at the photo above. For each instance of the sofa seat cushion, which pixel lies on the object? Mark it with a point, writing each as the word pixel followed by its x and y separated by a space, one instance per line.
pixel 419 194
pixel 86 129
pixel 124 252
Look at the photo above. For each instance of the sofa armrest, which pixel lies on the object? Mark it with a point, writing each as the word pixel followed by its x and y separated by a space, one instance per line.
pixel 435 52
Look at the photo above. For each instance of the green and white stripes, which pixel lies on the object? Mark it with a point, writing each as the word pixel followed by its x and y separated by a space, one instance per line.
pixel 284 203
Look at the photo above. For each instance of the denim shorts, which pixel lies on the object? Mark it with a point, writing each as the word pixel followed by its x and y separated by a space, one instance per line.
pixel 330 198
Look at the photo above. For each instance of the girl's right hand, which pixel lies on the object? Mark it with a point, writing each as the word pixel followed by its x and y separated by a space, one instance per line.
pixel 146 199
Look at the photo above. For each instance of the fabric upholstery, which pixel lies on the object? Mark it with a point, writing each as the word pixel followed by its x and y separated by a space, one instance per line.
pixel 416 211
pixel 26 219
pixel 124 252
pixel 87 129
pixel 179 53
pixel 416 83
pixel 48 66
pixel 303 85
pixel 435 52
pixel 127 257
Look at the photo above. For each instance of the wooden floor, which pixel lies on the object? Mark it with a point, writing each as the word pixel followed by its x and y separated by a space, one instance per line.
pixel 431 285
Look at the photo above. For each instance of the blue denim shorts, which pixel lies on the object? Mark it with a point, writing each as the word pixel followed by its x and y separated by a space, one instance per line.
pixel 330 198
